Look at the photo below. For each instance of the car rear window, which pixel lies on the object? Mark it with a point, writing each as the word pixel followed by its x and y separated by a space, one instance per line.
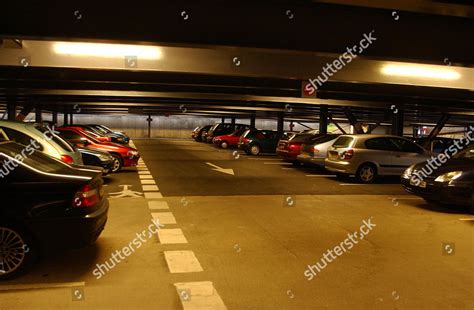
pixel 32 158
pixel 56 139
pixel 300 137
pixel 343 142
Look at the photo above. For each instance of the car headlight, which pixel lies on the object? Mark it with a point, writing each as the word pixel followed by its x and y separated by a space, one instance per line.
pixel 407 173
pixel 132 153
pixel 448 177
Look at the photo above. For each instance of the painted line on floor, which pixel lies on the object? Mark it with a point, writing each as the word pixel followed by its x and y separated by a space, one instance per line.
pixel 145 177
pixel 286 168
pixel 157 205
pixel 282 164
pixel 164 217
pixel 150 188
pixel 36 286
pixel 407 198
pixel 171 236
pixel 199 296
pixel 255 158
pixel 467 219
pixel 153 195
pixel 182 262
pixel 321 175
pixel 148 182
pixel 144 172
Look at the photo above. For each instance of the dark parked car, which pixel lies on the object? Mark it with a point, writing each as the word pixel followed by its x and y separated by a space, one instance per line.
pixel 231 140
pixel 289 146
pixel 255 141
pixel 223 129
pixel 116 136
pixel 437 145
pixel 97 158
pixel 451 183
pixel 201 133
pixel 49 204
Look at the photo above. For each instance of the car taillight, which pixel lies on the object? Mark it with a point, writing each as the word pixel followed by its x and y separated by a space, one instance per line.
pixel 347 154
pixel 67 159
pixel 315 150
pixel 87 196
pixel 292 147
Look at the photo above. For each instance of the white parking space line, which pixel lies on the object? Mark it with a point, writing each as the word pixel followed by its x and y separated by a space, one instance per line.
pixel 153 195
pixel 145 177
pixel 150 188
pixel 142 168
pixel 164 217
pixel 199 296
pixel 321 176
pixel 182 262
pixel 171 236
pixel 148 182
pixel 282 164
pixel 157 205
pixel 269 159
pixel 286 168
pixel 467 219
pixel 144 172
pixel 36 286
pixel 407 198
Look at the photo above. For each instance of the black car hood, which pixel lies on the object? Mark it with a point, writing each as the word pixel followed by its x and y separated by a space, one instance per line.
pixel 454 164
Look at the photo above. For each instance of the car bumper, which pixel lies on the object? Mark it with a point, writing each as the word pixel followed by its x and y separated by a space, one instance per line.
pixel 131 161
pixel 456 194
pixel 310 160
pixel 339 166
pixel 286 155
pixel 71 232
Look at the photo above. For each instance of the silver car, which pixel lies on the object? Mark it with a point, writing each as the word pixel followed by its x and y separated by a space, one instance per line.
pixel 367 156
pixel 39 137
pixel 314 151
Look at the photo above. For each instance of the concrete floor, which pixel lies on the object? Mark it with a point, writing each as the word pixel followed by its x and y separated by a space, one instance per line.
pixel 255 233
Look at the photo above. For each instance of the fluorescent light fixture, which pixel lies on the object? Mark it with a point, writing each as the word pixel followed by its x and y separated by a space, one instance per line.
pixel 421 71
pixel 107 50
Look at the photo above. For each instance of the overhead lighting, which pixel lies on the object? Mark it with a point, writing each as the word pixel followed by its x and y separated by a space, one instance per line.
pixel 421 71
pixel 107 50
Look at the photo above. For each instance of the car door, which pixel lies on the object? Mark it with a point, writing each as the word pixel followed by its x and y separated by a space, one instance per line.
pixel 380 151
pixel 406 154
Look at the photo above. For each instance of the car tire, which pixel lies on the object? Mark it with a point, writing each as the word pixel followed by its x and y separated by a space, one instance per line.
pixel 118 163
pixel 366 173
pixel 18 247
pixel 255 150
pixel 224 145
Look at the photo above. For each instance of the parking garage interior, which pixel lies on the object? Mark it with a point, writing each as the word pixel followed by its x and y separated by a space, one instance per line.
pixel 239 231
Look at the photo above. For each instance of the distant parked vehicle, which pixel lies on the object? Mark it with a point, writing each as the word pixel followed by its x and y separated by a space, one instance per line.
pixel 366 156
pixel 289 147
pixel 116 136
pixel 314 151
pixel 254 141
pixel 451 184
pixel 46 203
pixel 223 129
pixel 195 131
pixel 437 145
pixel 44 140
pixel 200 134
pixel 231 140
pixel 124 156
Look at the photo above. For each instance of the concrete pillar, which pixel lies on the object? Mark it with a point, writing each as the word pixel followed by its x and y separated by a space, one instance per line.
pixel 252 121
pixel 11 110
pixel 280 122
pixel 66 119
pixel 55 117
pixel 149 120
pixel 223 120
pixel 323 119
pixel 232 120
pixel 71 118
pixel 38 114
pixel 397 123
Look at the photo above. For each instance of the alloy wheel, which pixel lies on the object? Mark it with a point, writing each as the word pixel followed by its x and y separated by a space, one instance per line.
pixel 12 250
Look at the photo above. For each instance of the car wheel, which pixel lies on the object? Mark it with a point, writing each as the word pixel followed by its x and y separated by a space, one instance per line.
pixel 255 149
pixel 366 173
pixel 224 144
pixel 17 251
pixel 117 163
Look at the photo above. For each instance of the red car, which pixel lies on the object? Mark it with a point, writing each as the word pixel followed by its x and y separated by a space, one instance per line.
pixel 231 140
pixel 289 148
pixel 124 156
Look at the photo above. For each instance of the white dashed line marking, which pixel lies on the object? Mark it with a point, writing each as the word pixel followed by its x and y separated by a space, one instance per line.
pixel 148 182
pixel 164 217
pixel 150 188
pixel 282 164
pixel 146 177
pixel 467 219
pixel 144 172
pixel 158 205
pixel 321 175
pixel 153 195
pixel 199 296
pixel 171 236
pixel 182 262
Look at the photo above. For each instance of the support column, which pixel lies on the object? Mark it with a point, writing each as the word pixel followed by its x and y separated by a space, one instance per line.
pixel 323 119
pixel 232 120
pixel 252 121
pixel 38 114
pixel 149 120
pixel 11 110
pixel 55 118
pixel 66 119
pixel 280 122
pixel 437 129
pixel 397 123
pixel 223 120
pixel 71 118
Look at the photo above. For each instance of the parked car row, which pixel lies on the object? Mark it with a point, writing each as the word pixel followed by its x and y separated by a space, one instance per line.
pixel 52 180
pixel 365 156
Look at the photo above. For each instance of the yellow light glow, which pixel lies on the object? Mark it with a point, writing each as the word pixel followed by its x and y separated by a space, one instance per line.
pixel 421 71
pixel 107 50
